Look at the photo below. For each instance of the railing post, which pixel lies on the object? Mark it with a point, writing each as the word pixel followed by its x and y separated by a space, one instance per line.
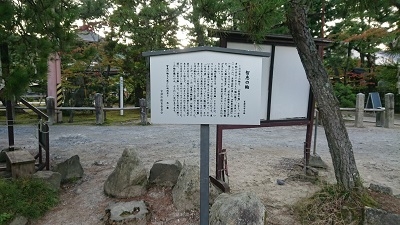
pixel 359 110
pixel 51 109
pixel 389 110
pixel 99 106
pixel 10 123
pixel 143 111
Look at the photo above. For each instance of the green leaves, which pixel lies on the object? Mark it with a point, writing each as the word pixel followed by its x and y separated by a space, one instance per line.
pixel 30 31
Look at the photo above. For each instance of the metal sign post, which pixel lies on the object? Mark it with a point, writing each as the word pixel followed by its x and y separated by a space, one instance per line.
pixel 204 172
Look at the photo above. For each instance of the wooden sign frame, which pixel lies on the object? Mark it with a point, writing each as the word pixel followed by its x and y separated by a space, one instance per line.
pixel 235 39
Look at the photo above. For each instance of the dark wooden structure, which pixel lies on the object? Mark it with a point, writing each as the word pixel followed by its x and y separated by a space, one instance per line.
pixel 226 37
pixel 42 158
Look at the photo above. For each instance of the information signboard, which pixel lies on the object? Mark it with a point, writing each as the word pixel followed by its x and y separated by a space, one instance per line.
pixel 206 85
pixel 284 82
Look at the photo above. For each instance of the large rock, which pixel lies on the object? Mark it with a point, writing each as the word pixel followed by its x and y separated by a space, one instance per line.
pixel 374 216
pixel 237 209
pixel 128 179
pixel 186 192
pixel 165 173
pixel 53 179
pixel 70 169
pixel 381 189
pixel 19 220
pixel 133 213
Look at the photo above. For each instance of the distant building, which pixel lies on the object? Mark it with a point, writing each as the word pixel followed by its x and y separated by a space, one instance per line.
pixel 384 58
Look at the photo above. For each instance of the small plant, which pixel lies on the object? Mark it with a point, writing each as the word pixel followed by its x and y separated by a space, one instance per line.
pixel 4 217
pixel 332 205
pixel 30 198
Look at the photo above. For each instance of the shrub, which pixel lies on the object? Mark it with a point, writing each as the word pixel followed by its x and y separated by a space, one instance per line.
pixel 345 95
pixel 30 198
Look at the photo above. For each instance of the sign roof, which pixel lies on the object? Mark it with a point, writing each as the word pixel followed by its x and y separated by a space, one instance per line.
pixel 207 48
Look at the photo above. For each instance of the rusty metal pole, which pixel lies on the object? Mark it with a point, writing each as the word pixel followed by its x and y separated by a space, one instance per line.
pixel 218 161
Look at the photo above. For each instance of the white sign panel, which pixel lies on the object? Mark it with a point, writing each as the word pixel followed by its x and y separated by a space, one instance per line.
pixel 265 72
pixel 290 88
pixel 205 88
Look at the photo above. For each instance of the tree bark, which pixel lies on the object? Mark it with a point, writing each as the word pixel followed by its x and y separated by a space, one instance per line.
pixel 340 147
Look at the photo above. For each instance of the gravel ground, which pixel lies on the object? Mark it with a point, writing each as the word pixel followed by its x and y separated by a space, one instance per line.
pixel 256 157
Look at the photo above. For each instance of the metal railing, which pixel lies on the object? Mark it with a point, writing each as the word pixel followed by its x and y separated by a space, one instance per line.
pixel 43 136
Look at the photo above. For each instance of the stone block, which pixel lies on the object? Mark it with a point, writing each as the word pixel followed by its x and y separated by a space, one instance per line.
pixel 133 213
pixel 21 163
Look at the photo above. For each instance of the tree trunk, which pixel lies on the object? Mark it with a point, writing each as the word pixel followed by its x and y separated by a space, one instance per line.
pixel 340 147
pixel 5 72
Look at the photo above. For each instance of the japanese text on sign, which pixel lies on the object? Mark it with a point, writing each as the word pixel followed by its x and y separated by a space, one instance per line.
pixel 191 89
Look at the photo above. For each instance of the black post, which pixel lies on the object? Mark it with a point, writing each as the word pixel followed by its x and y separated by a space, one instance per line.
pixel 204 173
pixel 10 124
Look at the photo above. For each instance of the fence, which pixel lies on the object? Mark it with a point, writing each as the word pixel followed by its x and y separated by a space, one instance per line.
pixel 384 116
pixel 43 134
pixel 98 108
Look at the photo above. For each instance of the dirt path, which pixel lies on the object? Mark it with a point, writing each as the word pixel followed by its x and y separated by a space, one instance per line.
pixel 256 158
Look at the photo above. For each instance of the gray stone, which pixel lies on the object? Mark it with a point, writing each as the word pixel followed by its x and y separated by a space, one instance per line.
pixel 49 177
pixel 78 191
pixel 99 163
pixel 280 182
pixel 186 192
pixel 134 213
pixel 69 169
pixel 374 216
pixel 129 177
pixel 381 189
pixel 317 162
pixel 19 220
pixel 165 173
pixel 237 209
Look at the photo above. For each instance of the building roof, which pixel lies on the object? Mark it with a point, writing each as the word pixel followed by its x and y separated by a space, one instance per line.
pixel 237 36
pixel 89 36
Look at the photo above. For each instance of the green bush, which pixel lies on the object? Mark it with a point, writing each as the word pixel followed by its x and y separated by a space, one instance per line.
pixel 345 95
pixel 30 198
